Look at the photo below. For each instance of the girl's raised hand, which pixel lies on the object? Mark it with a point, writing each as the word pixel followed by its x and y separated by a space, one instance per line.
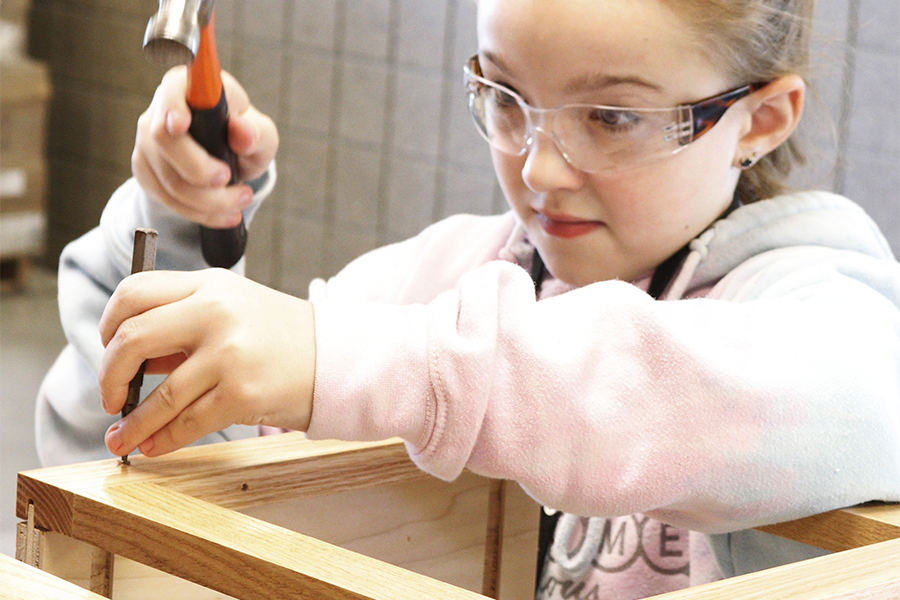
pixel 235 352
pixel 176 171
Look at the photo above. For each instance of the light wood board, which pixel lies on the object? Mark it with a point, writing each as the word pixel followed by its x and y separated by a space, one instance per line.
pixel 281 517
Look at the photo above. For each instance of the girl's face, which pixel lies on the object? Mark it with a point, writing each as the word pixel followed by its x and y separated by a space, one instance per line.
pixel 591 227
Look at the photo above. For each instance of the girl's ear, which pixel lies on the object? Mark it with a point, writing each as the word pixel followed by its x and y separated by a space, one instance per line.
pixel 774 112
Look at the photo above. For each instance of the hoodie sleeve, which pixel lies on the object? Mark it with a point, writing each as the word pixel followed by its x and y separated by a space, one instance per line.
pixel 69 422
pixel 706 414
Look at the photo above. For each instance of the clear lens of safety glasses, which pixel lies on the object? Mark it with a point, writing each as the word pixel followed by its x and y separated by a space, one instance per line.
pixel 592 138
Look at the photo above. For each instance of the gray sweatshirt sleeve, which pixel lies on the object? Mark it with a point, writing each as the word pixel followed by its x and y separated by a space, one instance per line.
pixel 69 422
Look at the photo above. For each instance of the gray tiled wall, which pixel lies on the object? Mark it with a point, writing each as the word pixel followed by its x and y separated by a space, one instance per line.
pixel 871 174
pixel 376 141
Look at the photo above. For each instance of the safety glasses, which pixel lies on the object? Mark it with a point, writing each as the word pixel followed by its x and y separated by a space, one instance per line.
pixel 592 138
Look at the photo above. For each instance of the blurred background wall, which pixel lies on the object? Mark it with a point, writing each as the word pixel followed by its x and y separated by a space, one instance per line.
pixel 376 141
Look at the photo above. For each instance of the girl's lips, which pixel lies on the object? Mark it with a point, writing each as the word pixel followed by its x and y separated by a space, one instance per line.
pixel 566 227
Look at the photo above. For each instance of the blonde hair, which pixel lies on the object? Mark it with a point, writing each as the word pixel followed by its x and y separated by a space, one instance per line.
pixel 756 41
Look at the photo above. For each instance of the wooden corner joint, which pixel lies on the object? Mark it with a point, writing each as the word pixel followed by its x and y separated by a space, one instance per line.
pixel 29 540
pixel 29 550
pixel 102 563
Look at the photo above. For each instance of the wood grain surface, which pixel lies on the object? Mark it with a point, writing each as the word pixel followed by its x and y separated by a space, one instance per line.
pixel 868 573
pixel 844 529
pixel 178 514
pixel 24 582
pixel 281 517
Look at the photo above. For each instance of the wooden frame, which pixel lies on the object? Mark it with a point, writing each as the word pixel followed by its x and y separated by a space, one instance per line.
pixel 24 582
pixel 218 516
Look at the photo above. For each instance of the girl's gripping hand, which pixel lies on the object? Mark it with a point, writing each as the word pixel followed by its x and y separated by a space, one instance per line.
pixel 176 171
pixel 235 352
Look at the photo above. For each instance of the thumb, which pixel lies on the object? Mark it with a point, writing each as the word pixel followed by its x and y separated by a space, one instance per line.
pixel 253 137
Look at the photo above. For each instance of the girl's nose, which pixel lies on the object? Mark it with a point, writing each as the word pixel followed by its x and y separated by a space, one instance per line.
pixel 546 168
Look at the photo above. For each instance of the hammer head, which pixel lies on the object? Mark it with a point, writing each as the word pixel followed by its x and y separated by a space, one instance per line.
pixel 173 33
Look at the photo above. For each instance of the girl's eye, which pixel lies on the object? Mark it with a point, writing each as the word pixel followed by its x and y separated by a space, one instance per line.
pixel 504 98
pixel 614 118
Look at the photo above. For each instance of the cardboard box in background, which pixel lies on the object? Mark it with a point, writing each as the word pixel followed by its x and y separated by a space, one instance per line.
pixel 23 184
pixel 15 11
pixel 24 95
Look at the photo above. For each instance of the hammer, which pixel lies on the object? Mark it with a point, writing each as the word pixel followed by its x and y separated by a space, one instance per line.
pixel 182 32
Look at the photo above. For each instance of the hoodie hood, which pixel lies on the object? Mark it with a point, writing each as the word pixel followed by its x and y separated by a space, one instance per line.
pixel 819 219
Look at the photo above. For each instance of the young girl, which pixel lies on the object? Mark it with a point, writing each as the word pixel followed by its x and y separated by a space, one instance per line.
pixel 640 145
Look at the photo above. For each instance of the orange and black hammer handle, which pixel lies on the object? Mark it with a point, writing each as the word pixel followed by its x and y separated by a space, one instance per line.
pixel 209 126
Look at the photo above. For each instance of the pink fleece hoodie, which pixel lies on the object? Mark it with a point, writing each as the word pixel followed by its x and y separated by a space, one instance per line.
pixel 774 397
